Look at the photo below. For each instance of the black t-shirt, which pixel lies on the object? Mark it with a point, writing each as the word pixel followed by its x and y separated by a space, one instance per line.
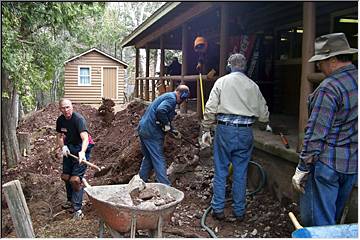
pixel 71 128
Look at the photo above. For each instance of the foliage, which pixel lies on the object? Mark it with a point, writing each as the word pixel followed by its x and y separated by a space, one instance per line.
pixel 37 38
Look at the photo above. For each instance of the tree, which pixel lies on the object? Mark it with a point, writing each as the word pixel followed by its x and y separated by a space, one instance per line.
pixel 36 38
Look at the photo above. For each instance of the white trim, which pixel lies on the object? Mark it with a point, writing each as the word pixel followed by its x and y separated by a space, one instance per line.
pixel 102 82
pixel 97 50
pixel 117 82
pixel 116 79
pixel 90 74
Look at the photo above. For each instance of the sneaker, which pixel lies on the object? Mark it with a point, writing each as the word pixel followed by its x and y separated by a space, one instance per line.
pixel 218 216
pixel 66 205
pixel 78 215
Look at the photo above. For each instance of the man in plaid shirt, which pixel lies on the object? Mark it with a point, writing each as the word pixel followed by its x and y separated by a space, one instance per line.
pixel 327 169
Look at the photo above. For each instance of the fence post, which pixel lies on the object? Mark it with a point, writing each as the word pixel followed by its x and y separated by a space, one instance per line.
pixel 19 211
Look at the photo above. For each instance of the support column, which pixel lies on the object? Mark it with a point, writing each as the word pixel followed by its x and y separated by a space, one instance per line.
pixel 147 71
pixel 309 24
pixel 162 88
pixel 224 38
pixel 184 48
pixel 153 82
pixel 137 57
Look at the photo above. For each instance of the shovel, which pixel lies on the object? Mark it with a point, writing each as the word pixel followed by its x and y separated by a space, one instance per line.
pixel 186 139
pixel 86 162
pixel 101 171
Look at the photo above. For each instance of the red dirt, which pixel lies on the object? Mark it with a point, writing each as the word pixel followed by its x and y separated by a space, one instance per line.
pixel 117 149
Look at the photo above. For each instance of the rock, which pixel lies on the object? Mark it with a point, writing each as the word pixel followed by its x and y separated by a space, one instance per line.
pixel 148 193
pixel 254 232
pixel 267 228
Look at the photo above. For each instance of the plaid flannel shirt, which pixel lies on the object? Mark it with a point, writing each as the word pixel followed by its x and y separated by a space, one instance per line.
pixel 331 132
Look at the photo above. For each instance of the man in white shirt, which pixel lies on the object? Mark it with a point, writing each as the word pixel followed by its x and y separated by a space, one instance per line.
pixel 234 104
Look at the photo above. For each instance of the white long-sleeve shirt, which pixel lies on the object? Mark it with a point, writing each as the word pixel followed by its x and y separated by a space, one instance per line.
pixel 237 94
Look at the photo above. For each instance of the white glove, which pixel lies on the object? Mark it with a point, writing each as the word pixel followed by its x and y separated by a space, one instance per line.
pixel 82 156
pixel 166 128
pixel 206 139
pixel 268 128
pixel 298 180
pixel 65 150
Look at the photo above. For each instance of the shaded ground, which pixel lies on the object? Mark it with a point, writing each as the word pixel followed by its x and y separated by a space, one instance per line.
pixel 117 149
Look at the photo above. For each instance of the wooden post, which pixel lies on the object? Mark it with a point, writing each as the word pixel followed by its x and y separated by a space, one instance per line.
pixel 147 71
pixel 309 24
pixel 224 38
pixel 198 100
pixel 24 143
pixel 162 87
pixel 137 58
pixel 183 106
pixel 19 211
pixel 153 85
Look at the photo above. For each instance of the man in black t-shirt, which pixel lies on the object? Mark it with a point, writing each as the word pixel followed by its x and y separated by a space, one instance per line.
pixel 73 137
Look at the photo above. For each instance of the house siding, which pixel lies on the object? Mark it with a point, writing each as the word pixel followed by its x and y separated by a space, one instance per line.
pixel 91 94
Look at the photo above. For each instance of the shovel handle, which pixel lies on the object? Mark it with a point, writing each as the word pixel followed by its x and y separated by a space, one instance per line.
pixel 295 221
pixel 86 162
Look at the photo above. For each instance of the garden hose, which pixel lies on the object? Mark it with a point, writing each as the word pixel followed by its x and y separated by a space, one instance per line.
pixel 260 186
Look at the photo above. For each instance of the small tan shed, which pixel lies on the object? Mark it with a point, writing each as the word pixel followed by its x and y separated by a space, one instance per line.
pixel 93 75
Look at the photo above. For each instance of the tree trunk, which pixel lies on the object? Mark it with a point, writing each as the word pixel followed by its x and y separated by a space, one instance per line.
pixel 10 103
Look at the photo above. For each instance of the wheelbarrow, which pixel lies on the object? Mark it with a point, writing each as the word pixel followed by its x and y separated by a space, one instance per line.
pixel 120 217
pixel 331 231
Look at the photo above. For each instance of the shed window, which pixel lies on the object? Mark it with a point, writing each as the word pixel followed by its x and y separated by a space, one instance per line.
pixel 84 76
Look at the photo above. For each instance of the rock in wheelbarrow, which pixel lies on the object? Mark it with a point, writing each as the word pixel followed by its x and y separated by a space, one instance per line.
pixel 149 193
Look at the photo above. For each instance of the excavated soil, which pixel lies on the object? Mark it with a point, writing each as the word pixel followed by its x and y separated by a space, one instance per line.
pixel 117 149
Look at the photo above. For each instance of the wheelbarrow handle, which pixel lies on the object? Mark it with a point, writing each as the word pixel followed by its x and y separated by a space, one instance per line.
pixel 86 162
pixel 295 221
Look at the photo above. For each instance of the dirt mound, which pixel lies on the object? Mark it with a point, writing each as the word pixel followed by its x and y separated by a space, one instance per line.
pixel 117 148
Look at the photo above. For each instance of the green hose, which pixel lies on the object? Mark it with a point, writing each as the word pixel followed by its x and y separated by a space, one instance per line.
pixel 260 186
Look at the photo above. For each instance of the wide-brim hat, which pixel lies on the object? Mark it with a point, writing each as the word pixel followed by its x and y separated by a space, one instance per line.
pixel 331 45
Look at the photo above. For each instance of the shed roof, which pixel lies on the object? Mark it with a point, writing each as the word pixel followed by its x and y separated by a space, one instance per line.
pixel 101 52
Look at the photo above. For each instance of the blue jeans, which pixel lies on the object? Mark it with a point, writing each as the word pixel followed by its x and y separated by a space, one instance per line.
pixel 231 145
pixel 152 149
pixel 326 193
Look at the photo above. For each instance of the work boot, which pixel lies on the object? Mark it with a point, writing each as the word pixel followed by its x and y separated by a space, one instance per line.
pixel 218 216
pixel 66 205
pixel 78 215
pixel 234 218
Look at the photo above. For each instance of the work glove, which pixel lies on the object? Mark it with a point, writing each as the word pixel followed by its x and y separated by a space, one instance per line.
pixel 206 139
pixel 65 150
pixel 176 134
pixel 268 128
pixel 298 180
pixel 81 157
pixel 165 127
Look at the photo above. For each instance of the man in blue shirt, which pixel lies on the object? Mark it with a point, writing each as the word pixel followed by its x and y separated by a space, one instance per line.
pixel 153 126
pixel 328 165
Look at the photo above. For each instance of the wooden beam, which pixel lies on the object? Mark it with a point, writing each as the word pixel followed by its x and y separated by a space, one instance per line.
pixel 137 54
pixel 309 20
pixel 147 73
pixel 183 106
pixel 224 38
pixel 316 78
pixel 198 9
pixel 19 210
